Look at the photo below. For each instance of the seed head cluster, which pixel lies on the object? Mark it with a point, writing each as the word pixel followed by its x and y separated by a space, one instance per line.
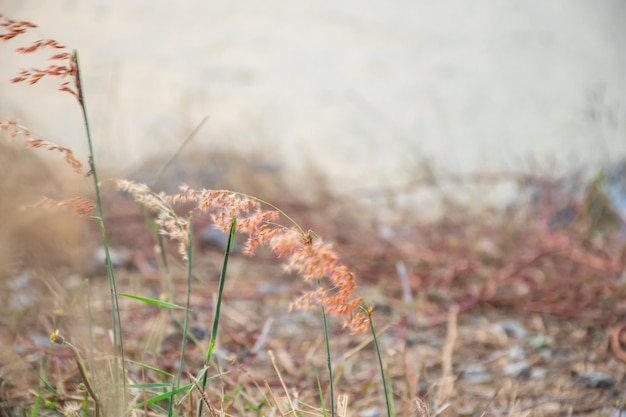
pixel 303 253
pixel 169 223
pixel 311 258
pixel 13 27
pixel 77 205
pixel 63 63
pixel 14 130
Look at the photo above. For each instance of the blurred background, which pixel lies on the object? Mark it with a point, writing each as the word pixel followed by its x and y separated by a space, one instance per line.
pixel 364 91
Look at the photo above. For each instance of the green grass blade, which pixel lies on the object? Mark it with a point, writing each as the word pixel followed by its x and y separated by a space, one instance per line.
pixel 150 385
pixel 116 320
pixel 153 301
pixel 390 408
pixel 49 387
pixel 160 410
pixel 220 292
pixel 321 392
pixel 151 368
pixel 165 396
pixel 34 412
pixel 328 359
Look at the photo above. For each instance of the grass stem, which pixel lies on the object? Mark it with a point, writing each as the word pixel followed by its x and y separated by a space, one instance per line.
pixel 218 305
pixel 328 358
pixel 388 400
pixel 116 321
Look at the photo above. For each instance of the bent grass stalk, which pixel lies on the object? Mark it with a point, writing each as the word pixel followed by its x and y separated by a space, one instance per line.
pixel 304 253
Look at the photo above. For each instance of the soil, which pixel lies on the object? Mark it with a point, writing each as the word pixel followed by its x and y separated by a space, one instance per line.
pixel 490 313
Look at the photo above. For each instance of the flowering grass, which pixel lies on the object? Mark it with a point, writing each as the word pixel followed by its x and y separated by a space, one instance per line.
pixel 556 272
pixel 303 253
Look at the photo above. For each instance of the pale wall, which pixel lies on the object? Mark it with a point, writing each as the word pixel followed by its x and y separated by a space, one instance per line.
pixel 363 89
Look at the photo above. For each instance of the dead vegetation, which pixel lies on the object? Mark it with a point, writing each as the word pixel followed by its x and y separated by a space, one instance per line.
pixel 496 313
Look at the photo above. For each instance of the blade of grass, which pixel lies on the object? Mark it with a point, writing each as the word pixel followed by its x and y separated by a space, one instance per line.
pixel 91 356
pixel 321 392
pixel 116 321
pixel 161 244
pixel 388 403
pixel 34 412
pixel 165 396
pixel 153 301
pixel 150 385
pixel 328 359
pixel 218 305
pixel 143 365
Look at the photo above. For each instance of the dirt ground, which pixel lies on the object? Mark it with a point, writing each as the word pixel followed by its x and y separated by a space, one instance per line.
pixel 479 313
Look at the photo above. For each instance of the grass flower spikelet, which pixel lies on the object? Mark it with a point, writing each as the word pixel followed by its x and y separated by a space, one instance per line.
pixel 170 224
pixel 77 205
pixel 13 28
pixel 304 253
pixel 63 66
pixel 14 130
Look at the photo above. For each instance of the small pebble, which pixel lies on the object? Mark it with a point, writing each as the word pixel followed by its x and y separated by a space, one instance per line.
pixel 476 374
pixel 594 379
pixel 117 258
pixel 20 282
pixel 218 239
pixel 370 412
pixel 519 369
pixel 538 373
pixel 511 328
pixel 516 353
pixel 613 412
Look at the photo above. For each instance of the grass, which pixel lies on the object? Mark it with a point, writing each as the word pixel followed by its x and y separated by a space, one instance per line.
pixel 305 253
pixel 138 341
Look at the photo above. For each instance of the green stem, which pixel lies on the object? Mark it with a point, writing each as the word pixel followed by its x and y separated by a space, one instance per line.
pixel 116 321
pixel 218 306
pixel 380 362
pixel 328 358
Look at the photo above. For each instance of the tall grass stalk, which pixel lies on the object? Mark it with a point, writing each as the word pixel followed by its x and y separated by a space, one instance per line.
pixel 388 400
pixel 328 359
pixel 321 394
pixel 116 321
pixel 90 324
pixel 218 305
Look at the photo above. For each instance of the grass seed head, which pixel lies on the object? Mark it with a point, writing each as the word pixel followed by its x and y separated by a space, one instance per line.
pixel 305 253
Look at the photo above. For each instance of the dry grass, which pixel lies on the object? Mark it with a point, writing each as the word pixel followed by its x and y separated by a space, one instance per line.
pixel 424 358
